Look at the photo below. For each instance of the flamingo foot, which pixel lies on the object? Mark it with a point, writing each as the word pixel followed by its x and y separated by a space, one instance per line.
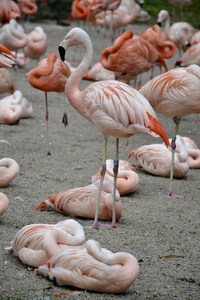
pixel 112 225
pixel 126 145
pixel 171 195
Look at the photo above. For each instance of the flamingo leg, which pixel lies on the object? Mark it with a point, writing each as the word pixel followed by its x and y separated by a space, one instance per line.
pixel 65 119
pixel 47 124
pixel 173 146
pixel 103 171
pixel 115 171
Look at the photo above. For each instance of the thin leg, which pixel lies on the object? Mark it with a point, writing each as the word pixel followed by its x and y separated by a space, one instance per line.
pixel 103 171
pixel 47 125
pixel 173 146
pixel 124 145
pixel 65 119
pixel 115 171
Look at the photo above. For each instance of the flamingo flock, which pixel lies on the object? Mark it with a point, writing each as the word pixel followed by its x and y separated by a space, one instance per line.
pixel 117 109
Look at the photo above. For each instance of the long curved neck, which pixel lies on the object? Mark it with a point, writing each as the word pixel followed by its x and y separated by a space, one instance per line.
pixel 167 27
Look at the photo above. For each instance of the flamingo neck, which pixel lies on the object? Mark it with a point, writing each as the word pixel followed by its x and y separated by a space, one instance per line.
pixel 167 27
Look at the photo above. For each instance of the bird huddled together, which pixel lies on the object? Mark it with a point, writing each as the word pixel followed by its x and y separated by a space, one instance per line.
pixel 120 105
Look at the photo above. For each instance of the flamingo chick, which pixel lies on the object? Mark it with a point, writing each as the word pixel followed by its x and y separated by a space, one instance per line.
pixel 9 169
pixel 3 203
pixel 116 108
pixel 28 243
pixel 81 202
pixel 127 178
pixel 93 268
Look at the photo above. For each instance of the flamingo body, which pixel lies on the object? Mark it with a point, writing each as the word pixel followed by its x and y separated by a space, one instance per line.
pixel 9 169
pixel 6 81
pixel 37 44
pixel 191 56
pixel 3 203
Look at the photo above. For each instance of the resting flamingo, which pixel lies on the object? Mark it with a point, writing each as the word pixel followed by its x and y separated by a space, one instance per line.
pixel 93 268
pixel 180 32
pixel 50 75
pixel 129 56
pixel 156 159
pixel 158 39
pixel 127 178
pixel 114 107
pixel 9 169
pixel 6 81
pixel 28 243
pixel 10 114
pixel 98 72
pixel 191 56
pixel 193 152
pixel 3 203
pixel 9 10
pixel 7 59
pixel 82 201
pixel 175 94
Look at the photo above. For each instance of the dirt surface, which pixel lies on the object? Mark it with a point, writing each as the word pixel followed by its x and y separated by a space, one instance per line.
pixel 162 233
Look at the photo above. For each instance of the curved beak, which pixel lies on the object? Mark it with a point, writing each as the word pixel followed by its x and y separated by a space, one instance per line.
pixel 62 51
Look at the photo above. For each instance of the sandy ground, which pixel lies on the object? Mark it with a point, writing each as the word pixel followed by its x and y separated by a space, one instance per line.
pixel 162 233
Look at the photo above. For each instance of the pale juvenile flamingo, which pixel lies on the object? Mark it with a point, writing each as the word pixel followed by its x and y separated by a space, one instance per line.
pixel 156 159
pixel 9 10
pixel 191 56
pixel 129 56
pixel 37 44
pixel 50 75
pixel 9 169
pixel 114 107
pixel 17 99
pixel 82 202
pixel 6 81
pixel 158 39
pixel 93 268
pixel 193 152
pixel 10 114
pixel 28 243
pixel 175 94
pixel 7 59
pixel 12 36
pixel 3 203
pixel 98 72
pixel 180 32
pixel 127 178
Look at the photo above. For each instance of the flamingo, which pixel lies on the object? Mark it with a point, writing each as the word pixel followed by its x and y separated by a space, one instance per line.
pixel 7 58
pixel 115 108
pixel 93 268
pixel 6 81
pixel 191 56
pixel 37 44
pixel 193 153
pixel 156 159
pixel 129 56
pixel 158 39
pixel 9 169
pixel 127 178
pixel 81 202
pixel 50 75
pixel 17 99
pixel 12 36
pixel 9 10
pixel 98 72
pixel 195 38
pixel 3 203
pixel 180 32
pixel 28 243
pixel 174 94
pixel 10 114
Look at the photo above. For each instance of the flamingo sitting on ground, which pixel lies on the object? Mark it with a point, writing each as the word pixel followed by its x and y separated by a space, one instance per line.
pixel 156 159
pixel 191 56
pixel 158 39
pixel 50 75
pixel 81 202
pixel 193 152
pixel 129 56
pixel 116 108
pixel 28 243
pixel 6 81
pixel 93 268
pixel 127 178
pixel 3 203
pixel 9 169
pixel 10 114
pixel 175 94
pixel 180 32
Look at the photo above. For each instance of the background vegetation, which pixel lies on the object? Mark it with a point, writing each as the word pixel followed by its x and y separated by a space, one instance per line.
pixel 60 10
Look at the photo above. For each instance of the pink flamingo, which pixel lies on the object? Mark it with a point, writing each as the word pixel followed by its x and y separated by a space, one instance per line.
pixel 10 114
pixel 172 94
pixel 114 107
pixel 9 169
pixel 3 203
pixel 98 72
pixel 50 75
pixel 193 152
pixel 30 246
pixel 6 82
pixel 93 268
pixel 7 59
pixel 191 56
pixel 127 178
pixel 82 201
pixel 9 10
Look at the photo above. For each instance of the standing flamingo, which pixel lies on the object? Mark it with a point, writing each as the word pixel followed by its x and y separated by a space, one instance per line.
pixel 50 75
pixel 9 169
pixel 3 203
pixel 127 178
pixel 93 268
pixel 115 108
pixel 9 10
pixel 81 202
pixel 7 59
pixel 175 94
pixel 28 243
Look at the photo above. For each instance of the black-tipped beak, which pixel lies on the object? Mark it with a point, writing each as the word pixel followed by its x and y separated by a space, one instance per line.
pixel 159 24
pixel 62 53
